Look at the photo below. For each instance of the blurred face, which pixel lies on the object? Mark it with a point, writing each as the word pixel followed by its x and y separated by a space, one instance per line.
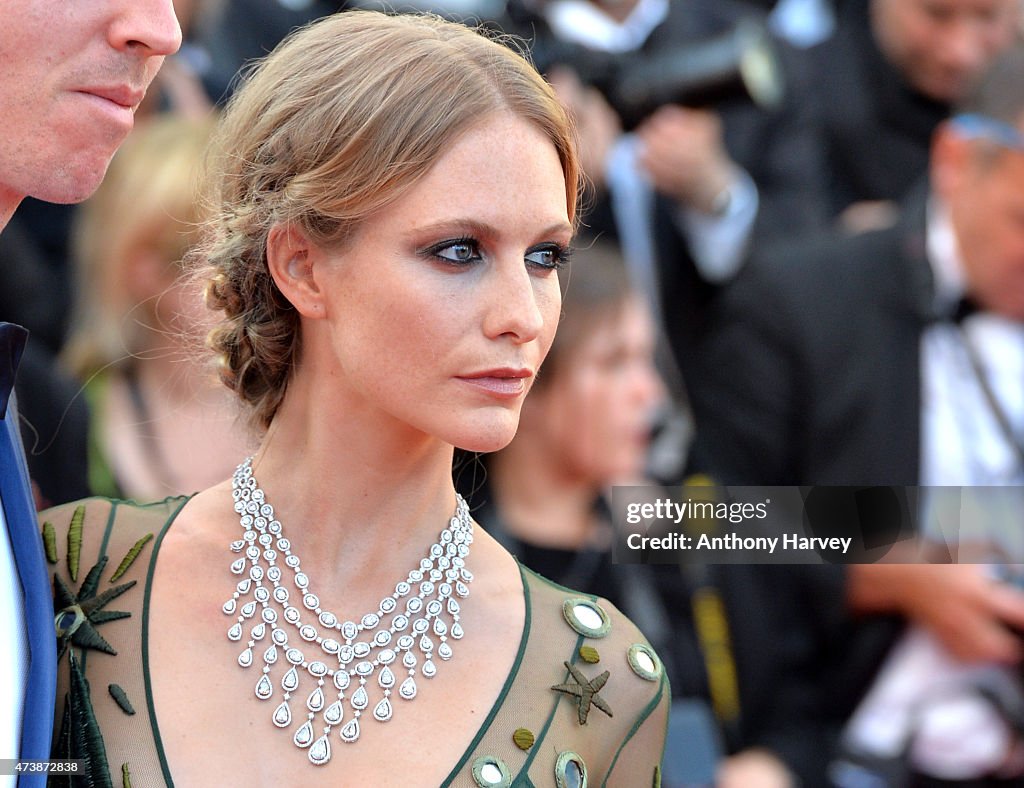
pixel 178 303
pixel 986 202
pixel 597 409
pixel 71 76
pixel 940 46
pixel 440 311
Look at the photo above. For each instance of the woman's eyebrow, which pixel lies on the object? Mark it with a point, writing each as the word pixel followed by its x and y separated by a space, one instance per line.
pixel 483 229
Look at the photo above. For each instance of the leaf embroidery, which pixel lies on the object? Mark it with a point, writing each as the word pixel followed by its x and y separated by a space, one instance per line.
pixel 129 559
pixel 121 698
pixel 86 736
pixel 50 542
pixel 77 615
pixel 75 541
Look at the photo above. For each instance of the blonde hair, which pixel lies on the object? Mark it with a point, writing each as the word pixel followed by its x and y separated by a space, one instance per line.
pixel 341 120
pixel 147 202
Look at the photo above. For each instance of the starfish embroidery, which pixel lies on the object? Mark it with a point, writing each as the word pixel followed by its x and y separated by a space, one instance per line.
pixel 585 691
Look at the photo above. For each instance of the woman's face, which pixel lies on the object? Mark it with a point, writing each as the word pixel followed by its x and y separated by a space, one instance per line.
pixel 441 309
pixel 597 408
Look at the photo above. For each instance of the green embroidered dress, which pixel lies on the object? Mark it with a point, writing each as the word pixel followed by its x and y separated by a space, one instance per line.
pixel 578 660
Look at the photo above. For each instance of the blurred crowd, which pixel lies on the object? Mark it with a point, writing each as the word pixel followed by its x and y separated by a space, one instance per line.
pixel 801 263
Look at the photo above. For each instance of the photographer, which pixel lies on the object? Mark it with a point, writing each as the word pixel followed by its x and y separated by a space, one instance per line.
pixel 688 189
pixel 900 66
pixel 895 357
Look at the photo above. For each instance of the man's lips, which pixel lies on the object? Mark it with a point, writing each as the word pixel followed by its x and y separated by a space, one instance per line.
pixel 505 382
pixel 122 95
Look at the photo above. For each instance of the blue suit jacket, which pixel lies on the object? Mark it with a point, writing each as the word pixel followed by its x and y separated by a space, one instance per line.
pixel 20 516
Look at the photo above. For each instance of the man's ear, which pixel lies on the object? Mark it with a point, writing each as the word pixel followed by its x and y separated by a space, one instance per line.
pixel 950 156
pixel 291 258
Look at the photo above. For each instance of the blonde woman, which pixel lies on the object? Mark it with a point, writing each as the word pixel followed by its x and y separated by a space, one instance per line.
pixel 396 196
pixel 160 422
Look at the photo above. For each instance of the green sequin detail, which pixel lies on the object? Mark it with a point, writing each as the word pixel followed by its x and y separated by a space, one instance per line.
pixel 523 738
pixel 75 541
pixel 50 542
pixel 121 697
pixel 126 776
pixel 644 662
pixel 589 654
pixel 570 770
pixel 129 559
pixel 656 782
pixel 480 771
pixel 604 624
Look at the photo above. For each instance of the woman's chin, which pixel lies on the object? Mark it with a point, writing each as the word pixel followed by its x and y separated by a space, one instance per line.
pixel 493 437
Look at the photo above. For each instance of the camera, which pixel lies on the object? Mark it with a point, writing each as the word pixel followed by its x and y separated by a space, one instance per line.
pixel 739 63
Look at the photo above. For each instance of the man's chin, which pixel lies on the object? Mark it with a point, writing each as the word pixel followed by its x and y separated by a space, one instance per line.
pixel 945 90
pixel 74 183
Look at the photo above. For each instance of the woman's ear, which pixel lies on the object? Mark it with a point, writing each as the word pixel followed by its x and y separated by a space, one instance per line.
pixel 291 258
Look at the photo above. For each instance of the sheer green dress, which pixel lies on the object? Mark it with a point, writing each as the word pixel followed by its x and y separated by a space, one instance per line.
pixel 550 725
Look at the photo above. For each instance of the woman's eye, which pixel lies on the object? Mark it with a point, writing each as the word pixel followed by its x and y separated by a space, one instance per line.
pixel 549 256
pixel 460 251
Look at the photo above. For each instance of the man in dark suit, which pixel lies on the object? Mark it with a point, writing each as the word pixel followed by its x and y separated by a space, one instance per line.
pixel 71 77
pixel 877 90
pixel 899 66
pixel 697 177
pixel 852 360
pixel 812 373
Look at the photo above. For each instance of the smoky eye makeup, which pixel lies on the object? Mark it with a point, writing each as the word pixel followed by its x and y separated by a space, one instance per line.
pixel 454 251
pixel 466 250
pixel 549 256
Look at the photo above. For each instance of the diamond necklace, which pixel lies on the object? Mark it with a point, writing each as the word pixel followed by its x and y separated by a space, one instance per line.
pixel 351 653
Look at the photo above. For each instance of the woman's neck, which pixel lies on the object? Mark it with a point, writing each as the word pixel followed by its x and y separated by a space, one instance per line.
pixel 347 485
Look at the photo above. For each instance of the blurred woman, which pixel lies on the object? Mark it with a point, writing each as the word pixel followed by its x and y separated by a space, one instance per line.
pixel 161 423
pixel 587 425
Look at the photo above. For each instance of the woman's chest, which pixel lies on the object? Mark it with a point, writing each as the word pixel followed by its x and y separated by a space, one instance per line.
pixel 240 705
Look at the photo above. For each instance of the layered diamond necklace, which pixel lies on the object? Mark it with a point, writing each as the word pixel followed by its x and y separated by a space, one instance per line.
pixel 349 664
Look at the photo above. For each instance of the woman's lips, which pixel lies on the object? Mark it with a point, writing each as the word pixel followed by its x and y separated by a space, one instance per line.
pixel 500 383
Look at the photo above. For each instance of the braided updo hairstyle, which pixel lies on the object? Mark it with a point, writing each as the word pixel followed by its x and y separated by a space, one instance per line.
pixel 341 120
